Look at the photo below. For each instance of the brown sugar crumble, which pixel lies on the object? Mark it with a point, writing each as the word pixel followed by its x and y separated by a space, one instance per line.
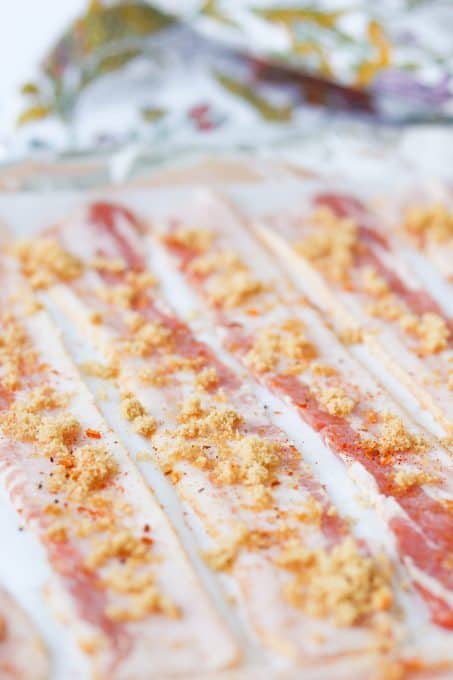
pixel 286 342
pixel 96 369
pixel 331 245
pixel 44 262
pixel 135 413
pixel 433 333
pixel 336 401
pixel 233 289
pixel 433 222
pixel 406 479
pixel 197 240
pixel 395 438
pixel 341 584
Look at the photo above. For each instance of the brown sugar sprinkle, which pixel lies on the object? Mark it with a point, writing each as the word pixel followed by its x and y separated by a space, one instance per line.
pixel 131 290
pixel 288 341
pixel 320 368
pixel 113 265
pixel 351 336
pixel 135 413
pixel 433 222
pixel 433 333
pixel 331 246
pixel 197 240
pixel 258 458
pixel 373 283
pixel 123 545
pixel 231 289
pixel 388 308
pixel 395 438
pixel 223 556
pixel 44 262
pixel 207 378
pixel 96 369
pixel 203 265
pixel 406 479
pixel 144 596
pixel 211 440
pixel 53 433
pixel 336 401
pixel 430 328
pixel 57 533
pixel 219 423
pixel 149 337
pixel 16 356
pixel 340 584
pixel 89 468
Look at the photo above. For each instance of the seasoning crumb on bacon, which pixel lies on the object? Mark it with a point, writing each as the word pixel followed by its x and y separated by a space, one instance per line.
pixel 44 262
pixel 288 341
pixel 134 412
pixel 434 222
pixel 197 240
pixel 406 479
pixel 433 333
pixel 341 584
pixel 336 401
pixel 331 245
pixel 351 336
pixel 234 288
pixel 373 283
pixel 145 597
pixel 219 423
pixel 207 378
pixel 222 557
pixel 323 369
pixel 89 468
pixel 54 434
pixel 96 369
pixel 113 265
pixel 129 290
pixel 208 263
pixel 147 338
pixel 15 357
pixel 395 438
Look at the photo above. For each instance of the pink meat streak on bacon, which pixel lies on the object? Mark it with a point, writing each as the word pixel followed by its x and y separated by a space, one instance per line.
pixel 106 217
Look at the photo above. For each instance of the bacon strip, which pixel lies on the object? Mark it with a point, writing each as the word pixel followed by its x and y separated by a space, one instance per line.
pixel 128 589
pixel 250 512
pixel 22 655
pixel 338 398
pixel 362 282
pixel 422 221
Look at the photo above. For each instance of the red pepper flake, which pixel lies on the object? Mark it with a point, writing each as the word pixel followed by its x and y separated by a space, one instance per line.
pixel 147 541
pixel 94 434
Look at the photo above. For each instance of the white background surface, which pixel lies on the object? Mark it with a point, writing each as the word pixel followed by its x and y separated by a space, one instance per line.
pixel 27 29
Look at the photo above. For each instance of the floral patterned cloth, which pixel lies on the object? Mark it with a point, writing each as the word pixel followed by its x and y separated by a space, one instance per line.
pixel 237 71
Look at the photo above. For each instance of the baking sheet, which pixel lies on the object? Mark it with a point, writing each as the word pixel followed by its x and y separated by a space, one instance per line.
pixel 23 567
